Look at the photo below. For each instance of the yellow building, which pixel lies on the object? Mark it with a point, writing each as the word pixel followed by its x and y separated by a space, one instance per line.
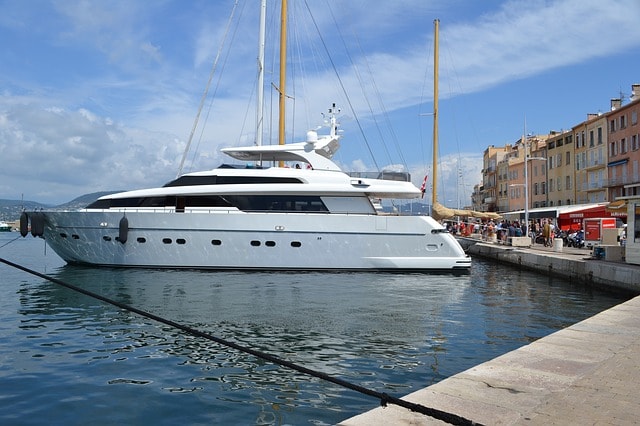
pixel 560 169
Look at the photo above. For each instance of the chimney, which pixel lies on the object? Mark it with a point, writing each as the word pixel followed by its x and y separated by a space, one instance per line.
pixel 635 91
pixel 615 104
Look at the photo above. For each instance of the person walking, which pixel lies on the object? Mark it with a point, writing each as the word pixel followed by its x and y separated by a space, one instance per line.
pixel 546 232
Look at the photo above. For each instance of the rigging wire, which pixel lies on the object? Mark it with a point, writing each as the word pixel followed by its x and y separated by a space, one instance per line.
pixel 454 78
pixel 425 80
pixel 378 95
pixel 360 79
pixel 206 90
pixel 344 90
pixel 384 398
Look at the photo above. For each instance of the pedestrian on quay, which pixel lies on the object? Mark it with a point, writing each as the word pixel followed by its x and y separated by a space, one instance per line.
pixel 546 232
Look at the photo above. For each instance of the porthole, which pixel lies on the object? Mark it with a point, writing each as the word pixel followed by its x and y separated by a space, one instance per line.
pixel 75 236
pixel 106 238
pixel 255 243
pixel 216 242
pixel 181 241
pixel 270 243
pixel 167 240
pixel 141 240
pixel 296 244
pixel 63 235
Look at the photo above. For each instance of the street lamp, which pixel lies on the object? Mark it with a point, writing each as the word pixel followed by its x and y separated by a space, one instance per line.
pixel 526 184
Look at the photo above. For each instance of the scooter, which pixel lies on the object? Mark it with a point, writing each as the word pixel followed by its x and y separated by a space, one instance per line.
pixel 576 239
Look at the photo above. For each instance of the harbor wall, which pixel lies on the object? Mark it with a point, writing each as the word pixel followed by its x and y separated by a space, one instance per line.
pixel 576 268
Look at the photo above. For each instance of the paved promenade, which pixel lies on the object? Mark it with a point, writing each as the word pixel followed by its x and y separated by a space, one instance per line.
pixel 586 374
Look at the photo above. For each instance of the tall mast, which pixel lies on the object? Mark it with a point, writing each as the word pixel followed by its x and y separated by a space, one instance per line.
pixel 260 95
pixel 283 70
pixel 434 181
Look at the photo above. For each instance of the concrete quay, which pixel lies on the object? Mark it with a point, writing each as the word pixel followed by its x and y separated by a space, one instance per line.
pixel 575 265
pixel 585 374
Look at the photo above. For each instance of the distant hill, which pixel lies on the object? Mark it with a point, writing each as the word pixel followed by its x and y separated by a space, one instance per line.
pixel 83 200
pixel 10 210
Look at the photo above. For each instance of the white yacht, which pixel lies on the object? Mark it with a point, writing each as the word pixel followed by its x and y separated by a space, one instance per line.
pixel 307 215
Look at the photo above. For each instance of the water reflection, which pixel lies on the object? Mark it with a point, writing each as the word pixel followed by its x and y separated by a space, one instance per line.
pixel 393 333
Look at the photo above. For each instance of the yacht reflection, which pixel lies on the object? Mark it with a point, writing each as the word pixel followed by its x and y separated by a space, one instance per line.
pixel 361 327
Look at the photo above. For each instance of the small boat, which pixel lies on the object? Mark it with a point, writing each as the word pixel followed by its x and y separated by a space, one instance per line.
pixel 301 213
pixel 5 227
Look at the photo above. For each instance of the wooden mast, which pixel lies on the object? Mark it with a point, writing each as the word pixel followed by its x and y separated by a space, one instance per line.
pixel 434 172
pixel 283 72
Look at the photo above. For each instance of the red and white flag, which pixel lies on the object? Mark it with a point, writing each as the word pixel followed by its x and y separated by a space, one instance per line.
pixel 423 187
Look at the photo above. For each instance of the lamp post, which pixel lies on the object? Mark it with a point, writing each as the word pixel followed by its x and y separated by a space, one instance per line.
pixel 526 187
pixel 525 141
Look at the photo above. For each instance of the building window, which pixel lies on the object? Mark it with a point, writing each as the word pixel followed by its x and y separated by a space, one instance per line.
pixel 634 142
pixel 550 185
pixel 568 158
pixel 599 135
pixel 544 188
pixel 623 121
pixel 612 126
pixel 567 183
pixel 591 139
pixel 623 146
pixel 634 118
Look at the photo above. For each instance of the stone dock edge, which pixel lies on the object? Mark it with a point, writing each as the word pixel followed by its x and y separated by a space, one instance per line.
pixel 587 373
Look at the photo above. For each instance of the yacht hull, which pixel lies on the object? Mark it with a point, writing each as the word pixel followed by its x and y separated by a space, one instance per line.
pixel 252 241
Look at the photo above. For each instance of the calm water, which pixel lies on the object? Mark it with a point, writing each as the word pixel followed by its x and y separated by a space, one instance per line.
pixel 68 359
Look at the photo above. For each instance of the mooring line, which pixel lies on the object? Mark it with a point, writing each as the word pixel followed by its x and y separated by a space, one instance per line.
pixel 11 241
pixel 383 397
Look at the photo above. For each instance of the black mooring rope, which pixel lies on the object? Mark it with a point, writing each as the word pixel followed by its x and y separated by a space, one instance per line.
pixel 384 398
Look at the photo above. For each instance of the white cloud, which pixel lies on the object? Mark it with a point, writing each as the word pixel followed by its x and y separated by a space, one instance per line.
pixel 123 80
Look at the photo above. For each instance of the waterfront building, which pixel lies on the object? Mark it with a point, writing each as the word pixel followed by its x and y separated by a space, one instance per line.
pixel 596 161
pixel 580 164
pixel 511 176
pixel 491 157
pixel 560 169
pixel 596 140
pixel 507 174
pixel 477 197
pixel 623 147
pixel 538 173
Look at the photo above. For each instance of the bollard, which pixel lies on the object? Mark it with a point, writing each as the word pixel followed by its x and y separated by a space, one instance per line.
pixel 557 245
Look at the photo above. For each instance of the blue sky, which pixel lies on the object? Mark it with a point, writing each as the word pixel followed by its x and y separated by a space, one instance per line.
pixel 99 95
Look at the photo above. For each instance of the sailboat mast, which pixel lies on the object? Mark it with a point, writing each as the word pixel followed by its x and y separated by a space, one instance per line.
pixel 283 70
pixel 434 170
pixel 260 94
